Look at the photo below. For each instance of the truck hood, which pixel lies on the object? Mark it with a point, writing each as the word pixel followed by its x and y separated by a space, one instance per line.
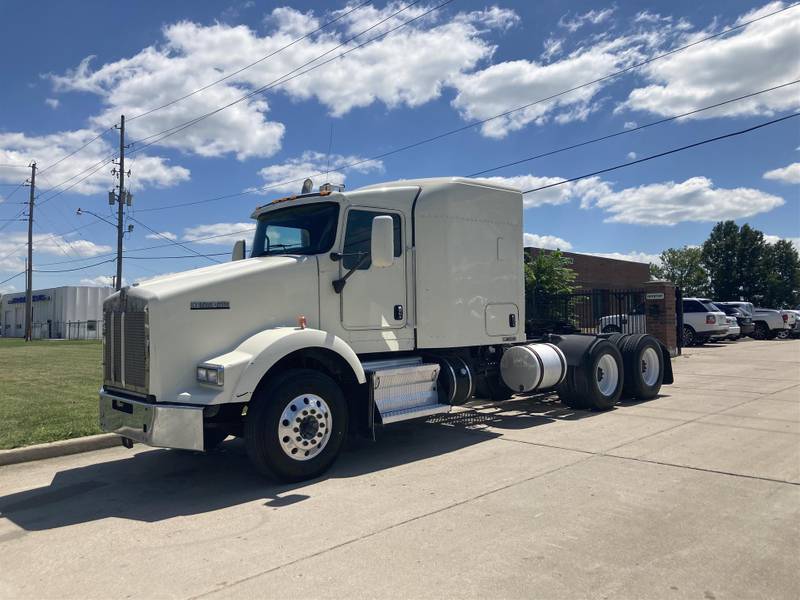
pixel 197 315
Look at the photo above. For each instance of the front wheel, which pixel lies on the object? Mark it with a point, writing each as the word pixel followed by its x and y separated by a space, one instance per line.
pixel 296 425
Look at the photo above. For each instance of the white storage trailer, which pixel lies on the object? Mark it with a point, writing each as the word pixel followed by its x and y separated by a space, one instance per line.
pixel 355 310
pixel 61 312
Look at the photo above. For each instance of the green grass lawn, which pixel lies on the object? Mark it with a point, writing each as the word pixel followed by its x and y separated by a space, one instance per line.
pixel 48 390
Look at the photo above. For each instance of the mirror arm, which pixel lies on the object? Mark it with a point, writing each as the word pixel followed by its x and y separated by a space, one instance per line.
pixel 338 284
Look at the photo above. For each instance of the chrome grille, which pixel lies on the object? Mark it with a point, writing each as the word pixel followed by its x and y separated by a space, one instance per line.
pixel 135 349
pixel 125 351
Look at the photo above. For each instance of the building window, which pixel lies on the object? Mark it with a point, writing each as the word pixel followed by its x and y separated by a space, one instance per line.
pixel 91 325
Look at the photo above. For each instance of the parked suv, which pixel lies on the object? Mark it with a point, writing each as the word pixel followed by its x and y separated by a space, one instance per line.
pixel 701 321
pixel 743 318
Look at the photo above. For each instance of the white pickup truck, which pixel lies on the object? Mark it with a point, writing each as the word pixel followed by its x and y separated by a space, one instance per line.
pixel 355 310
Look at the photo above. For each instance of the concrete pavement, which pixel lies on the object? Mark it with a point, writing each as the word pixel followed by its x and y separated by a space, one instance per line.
pixel 693 495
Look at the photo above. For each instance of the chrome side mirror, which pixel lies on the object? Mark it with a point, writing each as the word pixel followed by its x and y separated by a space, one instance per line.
pixel 239 250
pixel 382 247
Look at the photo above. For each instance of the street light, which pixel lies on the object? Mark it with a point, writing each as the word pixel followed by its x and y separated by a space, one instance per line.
pixel 118 279
pixel 114 225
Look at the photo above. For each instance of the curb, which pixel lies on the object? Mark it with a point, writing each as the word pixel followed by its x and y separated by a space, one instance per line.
pixel 60 448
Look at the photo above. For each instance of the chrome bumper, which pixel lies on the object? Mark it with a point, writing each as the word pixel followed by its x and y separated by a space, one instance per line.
pixel 162 425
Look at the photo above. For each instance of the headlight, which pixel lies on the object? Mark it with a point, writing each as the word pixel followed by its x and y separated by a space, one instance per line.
pixel 212 374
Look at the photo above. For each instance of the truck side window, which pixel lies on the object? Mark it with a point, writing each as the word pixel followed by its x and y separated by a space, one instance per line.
pixel 358 237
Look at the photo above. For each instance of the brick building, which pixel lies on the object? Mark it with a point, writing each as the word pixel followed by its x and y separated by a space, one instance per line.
pixel 598 272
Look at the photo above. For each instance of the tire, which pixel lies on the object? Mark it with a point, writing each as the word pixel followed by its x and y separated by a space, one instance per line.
pixel 644 371
pixel 700 340
pixel 761 331
pixel 296 425
pixel 689 336
pixel 213 437
pixel 493 388
pixel 611 329
pixel 783 334
pixel 597 382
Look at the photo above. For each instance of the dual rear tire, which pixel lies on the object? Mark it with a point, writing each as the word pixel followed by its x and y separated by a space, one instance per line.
pixel 629 366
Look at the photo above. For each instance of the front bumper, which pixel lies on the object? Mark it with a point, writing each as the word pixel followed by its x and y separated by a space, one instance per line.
pixel 152 423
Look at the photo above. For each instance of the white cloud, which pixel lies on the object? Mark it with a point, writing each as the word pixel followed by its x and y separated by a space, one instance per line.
pixel 19 148
pixel 630 125
pixel 161 235
pixel 408 67
pixel 642 257
pixel 52 102
pixel 550 242
pixel 761 55
pixel 502 86
pixel 7 288
pixel 310 164
pixel 669 203
pixel 593 17
pixel 15 246
pixel 100 281
pixel 787 174
pixel 224 234
pixel 631 155
pixel 552 48
pixel 559 194
pixel 771 239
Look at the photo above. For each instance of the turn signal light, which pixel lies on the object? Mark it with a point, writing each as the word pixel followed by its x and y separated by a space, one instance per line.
pixel 785 318
pixel 710 319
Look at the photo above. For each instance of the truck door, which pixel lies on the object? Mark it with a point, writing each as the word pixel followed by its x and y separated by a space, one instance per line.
pixel 373 299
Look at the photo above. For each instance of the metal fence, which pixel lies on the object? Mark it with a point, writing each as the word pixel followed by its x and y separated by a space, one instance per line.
pixel 67 330
pixel 586 311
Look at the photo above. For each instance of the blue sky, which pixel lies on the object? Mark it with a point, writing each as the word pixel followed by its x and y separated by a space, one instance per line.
pixel 462 63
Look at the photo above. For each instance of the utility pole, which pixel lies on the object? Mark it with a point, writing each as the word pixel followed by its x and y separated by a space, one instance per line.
pixel 29 266
pixel 121 201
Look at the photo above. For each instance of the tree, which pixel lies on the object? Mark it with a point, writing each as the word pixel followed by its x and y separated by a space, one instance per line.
pixel 684 268
pixel 781 272
pixel 548 272
pixel 750 263
pixel 720 258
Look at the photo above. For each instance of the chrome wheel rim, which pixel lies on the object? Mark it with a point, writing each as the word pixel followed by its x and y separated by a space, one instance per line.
pixel 607 375
pixel 651 365
pixel 304 427
pixel 688 336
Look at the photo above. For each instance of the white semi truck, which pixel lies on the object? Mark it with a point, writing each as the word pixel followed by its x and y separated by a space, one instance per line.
pixel 355 310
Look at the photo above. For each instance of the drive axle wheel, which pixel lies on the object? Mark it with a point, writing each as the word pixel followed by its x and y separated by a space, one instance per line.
pixel 761 331
pixel 644 373
pixel 595 383
pixel 296 425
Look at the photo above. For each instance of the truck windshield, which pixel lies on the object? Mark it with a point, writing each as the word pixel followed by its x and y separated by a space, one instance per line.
pixel 306 229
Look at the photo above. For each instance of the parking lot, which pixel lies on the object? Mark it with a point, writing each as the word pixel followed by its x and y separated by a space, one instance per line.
pixel 693 495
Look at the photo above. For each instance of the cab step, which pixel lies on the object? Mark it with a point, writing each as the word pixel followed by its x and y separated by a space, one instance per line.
pixel 404 389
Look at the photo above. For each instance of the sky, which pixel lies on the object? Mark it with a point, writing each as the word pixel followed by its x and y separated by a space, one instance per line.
pixel 336 90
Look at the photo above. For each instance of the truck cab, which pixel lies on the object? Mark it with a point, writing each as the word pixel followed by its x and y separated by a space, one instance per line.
pixel 354 309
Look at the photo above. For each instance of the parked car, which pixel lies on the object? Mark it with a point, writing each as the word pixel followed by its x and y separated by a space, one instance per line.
pixel 743 318
pixel 768 323
pixel 634 321
pixel 789 323
pixel 796 330
pixel 701 321
pixel 734 331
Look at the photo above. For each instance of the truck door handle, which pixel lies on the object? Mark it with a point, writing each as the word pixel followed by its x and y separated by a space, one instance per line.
pixel 512 321
pixel 398 312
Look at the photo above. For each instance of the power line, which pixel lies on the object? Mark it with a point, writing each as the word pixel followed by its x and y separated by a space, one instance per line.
pixel 74 152
pixel 632 130
pixel 250 65
pixel 12 277
pixel 665 153
pixel 103 262
pixel 161 235
pixel 285 78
